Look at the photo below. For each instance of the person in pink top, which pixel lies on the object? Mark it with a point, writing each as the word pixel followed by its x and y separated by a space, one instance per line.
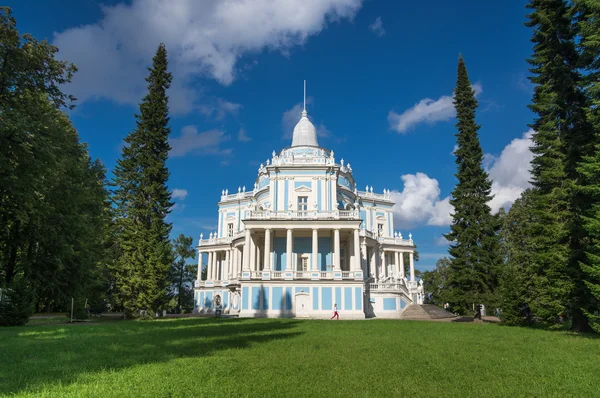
pixel 335 313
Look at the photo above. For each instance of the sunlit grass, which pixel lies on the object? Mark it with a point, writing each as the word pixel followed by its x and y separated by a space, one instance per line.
pixel 229 357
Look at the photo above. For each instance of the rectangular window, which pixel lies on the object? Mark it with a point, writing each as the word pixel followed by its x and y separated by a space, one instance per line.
pixel 230 229
pixel 302 263
pixel 302 206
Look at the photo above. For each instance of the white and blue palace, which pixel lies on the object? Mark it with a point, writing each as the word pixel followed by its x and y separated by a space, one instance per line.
pixel 305 239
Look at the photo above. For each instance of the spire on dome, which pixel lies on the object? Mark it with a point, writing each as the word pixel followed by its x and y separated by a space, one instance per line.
pixel 304 132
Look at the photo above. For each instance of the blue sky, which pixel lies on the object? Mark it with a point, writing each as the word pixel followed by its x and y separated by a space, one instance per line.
pixel 380 76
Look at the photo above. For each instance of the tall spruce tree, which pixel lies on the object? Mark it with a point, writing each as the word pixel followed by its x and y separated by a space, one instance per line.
pixel 589 185
pixel 475 251
pixel 562 138
pixel 143 201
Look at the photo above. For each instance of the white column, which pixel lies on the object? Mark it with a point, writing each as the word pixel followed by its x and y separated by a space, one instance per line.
pixel 252 255
pixel 363 256
pixel 267 266
pixel 199 277
pixel 401 265
pixel 233 262
pixel 209 267
pixel 356 250
pixel 336 249
pixel 315 250
pixel 412 266
pixel 373 262
pixel 246 258
pixel 219 265
pixel 397 265
pixel 227 264
pixel 383 264
pixel 289 248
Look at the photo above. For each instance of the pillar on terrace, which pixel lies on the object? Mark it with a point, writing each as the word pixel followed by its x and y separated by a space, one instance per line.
pixel 401 265
pixel 373 262
pixel 253 265
pixel 356 250
pixel 412 266
pixel 246 255
pixel 315 250
pixel 383 263
pixel 363 255
pixel 267 261
pixel 227 270
pixel 209 267
pixel 233 262
pixel 199 277
pixel 396 264
pixel 336 249
pixel 289 248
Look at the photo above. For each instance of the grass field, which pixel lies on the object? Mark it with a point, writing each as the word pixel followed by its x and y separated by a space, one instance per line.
pixel 245 357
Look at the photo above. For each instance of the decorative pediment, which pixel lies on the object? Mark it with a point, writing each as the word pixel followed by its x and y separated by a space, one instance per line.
pixel 303 189
pixel 230 218
pixel 380 218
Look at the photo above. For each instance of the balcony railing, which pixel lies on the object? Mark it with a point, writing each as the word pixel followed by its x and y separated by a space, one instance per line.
pixel 277 275
pixel 388 286
pixel 305 215
pixel 395 241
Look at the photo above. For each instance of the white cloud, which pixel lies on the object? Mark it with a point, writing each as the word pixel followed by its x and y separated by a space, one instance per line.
pixel 203 38
pixel 441 241
pixel 179 193
pixel 420 203
pixel 243 136
pixel 220 109
pixel 510 171
pixel 289 119
pixel 191 141
pixel 426 111
pixel 377 27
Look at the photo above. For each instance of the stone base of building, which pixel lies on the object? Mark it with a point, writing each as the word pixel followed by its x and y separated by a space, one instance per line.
pixel 305 300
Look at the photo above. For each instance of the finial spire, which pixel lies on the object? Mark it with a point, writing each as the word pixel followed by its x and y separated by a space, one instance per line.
pixel 304 96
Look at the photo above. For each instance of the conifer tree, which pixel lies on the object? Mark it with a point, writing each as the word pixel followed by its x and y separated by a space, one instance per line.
pixel 589 184
pixel 562 137
pixel 143 201
pixel 475 249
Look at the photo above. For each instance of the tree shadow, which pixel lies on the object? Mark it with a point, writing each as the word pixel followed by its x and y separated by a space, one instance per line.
pixel 59 354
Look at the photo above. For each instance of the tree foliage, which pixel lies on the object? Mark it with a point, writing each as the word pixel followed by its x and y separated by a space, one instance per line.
pixel 52 197
pixel 435 283
pixel 182 275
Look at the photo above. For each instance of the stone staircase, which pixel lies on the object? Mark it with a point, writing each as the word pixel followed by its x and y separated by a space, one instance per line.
pixel 425 312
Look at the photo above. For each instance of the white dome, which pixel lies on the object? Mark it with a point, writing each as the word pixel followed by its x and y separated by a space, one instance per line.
pixel 304 132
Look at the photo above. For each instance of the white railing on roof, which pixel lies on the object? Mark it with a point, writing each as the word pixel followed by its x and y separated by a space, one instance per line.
pixel 305 215
pixel 214 240
pixel 370 194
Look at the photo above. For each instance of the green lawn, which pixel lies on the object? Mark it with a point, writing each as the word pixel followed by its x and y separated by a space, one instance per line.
pixel 230 357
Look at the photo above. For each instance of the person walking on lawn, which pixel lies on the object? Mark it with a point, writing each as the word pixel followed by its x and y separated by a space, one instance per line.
pixel 335 313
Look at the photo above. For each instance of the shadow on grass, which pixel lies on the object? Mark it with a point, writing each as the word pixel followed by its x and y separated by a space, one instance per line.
pixel 60 354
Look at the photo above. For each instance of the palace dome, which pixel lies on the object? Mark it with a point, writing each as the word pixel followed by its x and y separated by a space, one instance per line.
pixel 304 132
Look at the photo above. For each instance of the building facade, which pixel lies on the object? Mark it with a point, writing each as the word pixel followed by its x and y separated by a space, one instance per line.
pixel 304 239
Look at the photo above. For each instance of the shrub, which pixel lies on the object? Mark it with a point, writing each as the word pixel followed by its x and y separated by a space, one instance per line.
pixel 16 304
